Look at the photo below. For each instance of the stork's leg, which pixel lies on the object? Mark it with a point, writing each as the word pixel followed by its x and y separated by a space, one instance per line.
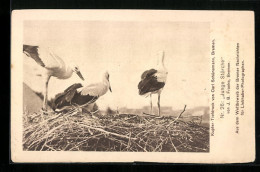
pixel 45 92
pixel 158 103
pixel 151 103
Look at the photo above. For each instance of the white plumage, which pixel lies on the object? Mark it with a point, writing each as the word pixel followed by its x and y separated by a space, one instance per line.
pixel 52 64
pixel 96 89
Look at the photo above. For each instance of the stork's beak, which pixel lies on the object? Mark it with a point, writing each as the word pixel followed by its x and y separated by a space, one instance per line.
pixel 80 75
pixel 110 88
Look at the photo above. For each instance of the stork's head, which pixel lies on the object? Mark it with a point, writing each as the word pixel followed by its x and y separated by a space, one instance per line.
pixel 75 68
pixel 106 76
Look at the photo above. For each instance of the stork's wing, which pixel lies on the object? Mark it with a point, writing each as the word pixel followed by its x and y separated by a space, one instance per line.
pixel 73 87
pixel 64 99
pixel 44 56
pixel 149 84
pixel 97 89
pixel 148 73
pixel 32 51
pixel 51 59
pixel 80 99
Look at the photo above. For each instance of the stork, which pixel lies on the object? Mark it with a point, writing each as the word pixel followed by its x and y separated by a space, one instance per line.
pixel 52 64
pixel 79 95
pixel 153 81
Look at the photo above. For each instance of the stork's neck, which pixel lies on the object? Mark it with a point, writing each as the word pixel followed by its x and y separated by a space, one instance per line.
pixel 69 69
pixel 160 64
pixel 105 84
pixel 66 72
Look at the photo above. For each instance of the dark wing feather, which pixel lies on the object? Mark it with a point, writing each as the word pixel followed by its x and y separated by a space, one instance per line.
pixel 83 99
pixel 148 73
pixel 65 98
pixel 149 84
pixel 73 87
pixel 32 51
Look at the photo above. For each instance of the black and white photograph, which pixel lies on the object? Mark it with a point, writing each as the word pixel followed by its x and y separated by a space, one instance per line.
pixel 132 85
pixel 115 86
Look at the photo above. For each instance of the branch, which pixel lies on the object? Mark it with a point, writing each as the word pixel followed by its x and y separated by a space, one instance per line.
pixel 177 117
pixel 180 114
pixel 107 132
pixel 150 115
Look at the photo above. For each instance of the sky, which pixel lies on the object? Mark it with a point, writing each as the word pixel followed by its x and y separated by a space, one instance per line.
pixel 126 50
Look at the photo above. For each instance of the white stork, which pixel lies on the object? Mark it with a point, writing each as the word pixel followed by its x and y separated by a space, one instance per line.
pixel 153 81
pixel 52 64
pixel 78 95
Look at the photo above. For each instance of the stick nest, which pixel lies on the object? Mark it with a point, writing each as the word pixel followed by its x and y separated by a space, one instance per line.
pixel 77 131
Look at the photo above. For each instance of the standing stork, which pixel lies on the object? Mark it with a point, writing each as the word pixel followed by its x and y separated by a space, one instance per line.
pixel 153 81
pixel 52 64
pixel 81 96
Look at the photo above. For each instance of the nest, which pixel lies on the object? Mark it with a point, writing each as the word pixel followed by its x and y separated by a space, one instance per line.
pixel 75 130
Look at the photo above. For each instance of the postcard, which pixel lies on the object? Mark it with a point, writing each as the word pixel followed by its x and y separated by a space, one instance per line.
pixel 132 85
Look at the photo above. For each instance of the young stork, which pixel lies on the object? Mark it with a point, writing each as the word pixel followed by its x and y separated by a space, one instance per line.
pixel 81 96
pixel 153 81
pixel 52 64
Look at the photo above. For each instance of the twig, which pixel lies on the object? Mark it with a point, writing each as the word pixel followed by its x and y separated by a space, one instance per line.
pixel 173 145
pixel 158 146
pixel 44 144
pixel 151 115
pixel 107 132
pixel 49 147
pixel 177 117
pixel 83 141
pixel 141 147
pixel 46 135
pixel 43 122
pixel 129 141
